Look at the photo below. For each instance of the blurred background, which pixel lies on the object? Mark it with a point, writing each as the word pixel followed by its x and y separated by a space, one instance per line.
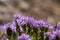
pixel 48 10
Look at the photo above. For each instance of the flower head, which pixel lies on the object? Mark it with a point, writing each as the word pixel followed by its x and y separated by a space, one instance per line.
pixel 58 33
pixel 24 37
pixel 50 35
pixel 16 16
pixel 4 37
pixel 4 27
pixel 58 25
pixel 13 26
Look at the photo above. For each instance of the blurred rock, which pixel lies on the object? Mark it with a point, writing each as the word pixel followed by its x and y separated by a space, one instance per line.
pixel 43 9
pixel 51 20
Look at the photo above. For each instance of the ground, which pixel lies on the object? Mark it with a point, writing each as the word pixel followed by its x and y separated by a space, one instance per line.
pixel 48 10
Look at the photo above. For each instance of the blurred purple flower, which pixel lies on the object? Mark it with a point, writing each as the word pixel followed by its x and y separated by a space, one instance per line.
pixel 32 22
pixel 4 37
pixel 58 33
pixel 50 35
pixel 47 34
pixel 24 37
pixel 1 27
pixel 51 27
pixel 20 21
pixel 58 25
pixel 45 24
pixel 16 16
pixel 13 26
pixel 39 24
pixel 4 27
pixel 26 19
pixel 42 23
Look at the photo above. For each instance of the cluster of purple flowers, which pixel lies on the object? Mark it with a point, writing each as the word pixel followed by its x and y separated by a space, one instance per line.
pixel 20 20
pixel 54 34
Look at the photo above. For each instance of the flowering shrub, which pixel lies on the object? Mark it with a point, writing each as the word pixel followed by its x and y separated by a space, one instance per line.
pixel 28 28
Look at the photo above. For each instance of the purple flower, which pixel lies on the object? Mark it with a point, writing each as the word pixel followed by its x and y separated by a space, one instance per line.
pixel 20 21
pixel 13 26
pixel 1 27
pixel 24 37
pixel 41 23
pixel 50 35
pixel 4 27
pixel 45 24
pixel 27 19
pixel 58 25
pixel 32 22
pixel 51 27
pixel 47 34
pixel 16 16
pixel 58 33
pixel 9 25
pixel 4 37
